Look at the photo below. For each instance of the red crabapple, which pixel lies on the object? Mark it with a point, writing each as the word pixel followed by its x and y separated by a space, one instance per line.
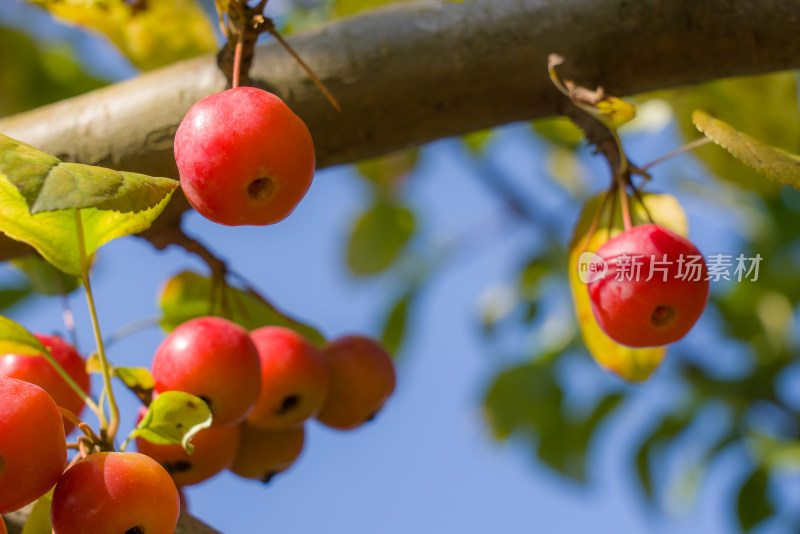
pixel 115 493
pixel 362 379
pixel 263 454
pixel 294 379
pixel 214 450
pixel 244 157
pixel 638 312
pixel 214 359
pixel 37 370
pixel 33 449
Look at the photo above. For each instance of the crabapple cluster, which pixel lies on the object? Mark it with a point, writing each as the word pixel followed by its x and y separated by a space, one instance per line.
pixel 637 308
pixel 261 387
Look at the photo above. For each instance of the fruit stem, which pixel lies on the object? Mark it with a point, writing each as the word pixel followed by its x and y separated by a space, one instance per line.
pixel 678 151
pixel 87 400
pixel 132 328
pixel 237 59
pixel 626 209
pixel 105 367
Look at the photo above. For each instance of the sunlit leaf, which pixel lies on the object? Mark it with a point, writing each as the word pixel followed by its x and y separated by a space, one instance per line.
pixel 758 105
pixel 38 521
pixel 345 8
pixel 773 163
pixel 174 418
pixel 151 34
pixel 189 295
pixel 55 234
pixel 660 436
pixel 559 131
pixel 377 238
pixel 629 363
pixel 15 339
pixel 48 184
pixel 14 294
pixel 45 278
pixel 477 142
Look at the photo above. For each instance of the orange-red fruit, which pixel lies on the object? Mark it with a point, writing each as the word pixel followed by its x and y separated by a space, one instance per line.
pixel 37 370
pixel 33 449
pixel 214 359
pixel 294 379
pixel 263 454
pixel 362 378
pixel 214 450
pixel 115 493
pixel 244 157
pixel 3 527
pixel 649 296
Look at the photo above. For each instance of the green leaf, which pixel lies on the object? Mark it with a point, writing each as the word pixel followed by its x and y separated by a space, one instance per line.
pixel 47 184
pixel 151 34
pixel 55 234
pixel 523 398
pixel 773 163
pixel 378 237
pixel 630 364
pixel 387 171
pixel 137 379
pixel 346 8
pixel 15 339
pixel 174 418
pixel 477 142
pixel 752 504
pixel 13 294
pixel 37 73
pixel 559 131
pixel 38 521
pixel 394 328
pixel 660 436
pixel 758 105
pixel 188 295
pixel 45 278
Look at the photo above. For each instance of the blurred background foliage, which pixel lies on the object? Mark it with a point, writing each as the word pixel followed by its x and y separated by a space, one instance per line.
pixel 739 370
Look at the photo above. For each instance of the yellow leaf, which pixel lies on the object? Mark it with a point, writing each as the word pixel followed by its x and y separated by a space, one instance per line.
pixel 773 163
pixel 160 33
pixel 629 363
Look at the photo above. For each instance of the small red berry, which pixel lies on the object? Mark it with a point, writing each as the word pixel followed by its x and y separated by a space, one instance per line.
pixel 214 359
pixel 37 370
pixel 638 312
pixel 263 454
pixel 114 493
pixel 294 379
pixel 33 448
pixel 362 378
pixel 214 450
pixel 244 157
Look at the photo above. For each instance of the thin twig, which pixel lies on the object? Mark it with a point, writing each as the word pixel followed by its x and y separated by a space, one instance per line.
pixel 678 151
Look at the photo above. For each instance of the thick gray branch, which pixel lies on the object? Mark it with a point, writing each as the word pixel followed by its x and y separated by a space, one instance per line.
pixel 415 72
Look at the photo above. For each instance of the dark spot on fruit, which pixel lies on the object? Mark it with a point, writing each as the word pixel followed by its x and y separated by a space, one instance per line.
pixel 179 425
pixel 662 315
pixel 260 188
pixel 2 464
pixel 267 477
pixel 180 466
pixel 135 530
pixel 289 403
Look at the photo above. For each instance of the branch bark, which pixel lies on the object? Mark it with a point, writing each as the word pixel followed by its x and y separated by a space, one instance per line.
pixel 415 72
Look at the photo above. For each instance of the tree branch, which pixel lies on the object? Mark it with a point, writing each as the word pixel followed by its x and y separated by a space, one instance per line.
pixel 415 72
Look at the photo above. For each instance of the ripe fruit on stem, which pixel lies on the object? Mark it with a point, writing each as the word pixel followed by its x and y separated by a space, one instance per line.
pixel 115 493
pixel 214 450
pixel 263 454
pixel 294 379
pixel 244 157
pixel 638 312
pixel 214 359
pixel 37 370
pixel 362 378
pixel 33 449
